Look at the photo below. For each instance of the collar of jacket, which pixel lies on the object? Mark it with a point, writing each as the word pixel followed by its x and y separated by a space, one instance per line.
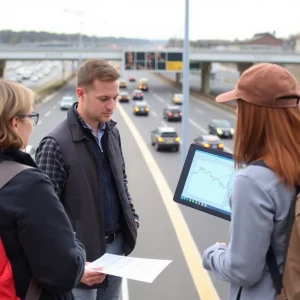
pixel 18 156
pixel 76 127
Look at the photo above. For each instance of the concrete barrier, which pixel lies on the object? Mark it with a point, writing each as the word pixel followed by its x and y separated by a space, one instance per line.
pixel 230 107
pixel 51 87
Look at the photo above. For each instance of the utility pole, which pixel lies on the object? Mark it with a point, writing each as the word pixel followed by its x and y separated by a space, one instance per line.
pixel 186 84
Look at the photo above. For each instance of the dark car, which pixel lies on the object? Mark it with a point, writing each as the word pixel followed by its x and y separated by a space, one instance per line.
pixel 209 141
pixel 137 95
pixel 141 108
pixel 172 113
pixel 221 128
pixel 124 97
pixel 165 138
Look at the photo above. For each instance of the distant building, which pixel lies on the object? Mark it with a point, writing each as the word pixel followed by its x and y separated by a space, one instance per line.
pixel 260 41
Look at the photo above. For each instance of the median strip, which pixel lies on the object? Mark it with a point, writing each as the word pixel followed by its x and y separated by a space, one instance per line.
pixel 51 87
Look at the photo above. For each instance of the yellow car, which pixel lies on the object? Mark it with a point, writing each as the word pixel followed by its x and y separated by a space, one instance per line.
pixel 177 99
pixel 143 84
pixel 123 84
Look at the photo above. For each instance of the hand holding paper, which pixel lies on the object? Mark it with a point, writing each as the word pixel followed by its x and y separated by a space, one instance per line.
pixel 141 269
pixel 93 276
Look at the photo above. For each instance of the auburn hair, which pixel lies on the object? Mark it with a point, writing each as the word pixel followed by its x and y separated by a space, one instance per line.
pixel 271 134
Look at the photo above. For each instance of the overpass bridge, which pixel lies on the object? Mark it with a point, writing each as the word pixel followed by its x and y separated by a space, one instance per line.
pixel 163 60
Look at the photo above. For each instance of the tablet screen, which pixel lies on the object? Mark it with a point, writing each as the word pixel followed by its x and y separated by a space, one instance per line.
pixel 207 181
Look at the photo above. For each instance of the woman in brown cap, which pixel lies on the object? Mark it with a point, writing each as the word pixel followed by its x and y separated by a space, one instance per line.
pixel 267 143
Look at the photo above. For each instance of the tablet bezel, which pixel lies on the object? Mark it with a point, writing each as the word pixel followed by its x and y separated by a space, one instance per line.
pixel 183 176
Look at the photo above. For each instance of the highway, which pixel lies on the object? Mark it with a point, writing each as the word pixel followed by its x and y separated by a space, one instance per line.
pixel 159 234
pixel 54 74
pixel 223 82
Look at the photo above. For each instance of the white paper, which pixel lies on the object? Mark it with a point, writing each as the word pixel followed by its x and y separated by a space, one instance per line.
pixel 141 269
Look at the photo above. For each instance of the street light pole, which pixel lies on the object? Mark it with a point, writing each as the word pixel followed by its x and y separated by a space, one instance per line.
pixel 186 85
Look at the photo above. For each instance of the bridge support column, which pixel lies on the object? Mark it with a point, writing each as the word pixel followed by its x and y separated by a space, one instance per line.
pixel 205 77
pixel 178 77
pixel 242 67
pixel 2 68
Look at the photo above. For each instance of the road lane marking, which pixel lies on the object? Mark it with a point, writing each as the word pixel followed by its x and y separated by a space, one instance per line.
pixel 203 102
pixel 200 276
pixel 215 108
pixel 153 113
pixel 199 111
pixel 159 98
pixel 163 123
pixel 48 113
pixel 54 107
pixel 125 293
pixel 204 131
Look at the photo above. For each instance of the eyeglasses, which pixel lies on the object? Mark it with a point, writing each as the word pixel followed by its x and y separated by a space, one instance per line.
pixel 34 117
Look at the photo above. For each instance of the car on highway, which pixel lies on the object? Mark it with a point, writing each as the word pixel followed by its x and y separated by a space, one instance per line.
pixel 143 84
pixel 177 99
pixel 132 79
pixel 124 97
pixel 123 84
pixel 172 113
pixel 30 149
pixel 209 141
pixel 141 108
pixel 66 102
pixel 221 128
pixel 137 95
pixel 165 138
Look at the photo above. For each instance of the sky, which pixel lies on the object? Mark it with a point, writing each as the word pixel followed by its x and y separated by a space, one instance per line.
pixel 155 19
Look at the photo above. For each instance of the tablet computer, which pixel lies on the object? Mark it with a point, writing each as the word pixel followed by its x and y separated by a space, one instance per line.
pixel 206 181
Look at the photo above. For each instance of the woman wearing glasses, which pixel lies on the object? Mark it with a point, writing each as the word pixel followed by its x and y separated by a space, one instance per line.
pixel 34 229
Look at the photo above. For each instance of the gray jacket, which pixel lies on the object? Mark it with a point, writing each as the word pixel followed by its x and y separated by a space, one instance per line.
pixel 260 205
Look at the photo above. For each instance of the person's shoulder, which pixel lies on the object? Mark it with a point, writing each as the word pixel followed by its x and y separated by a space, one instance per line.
pixel 259 175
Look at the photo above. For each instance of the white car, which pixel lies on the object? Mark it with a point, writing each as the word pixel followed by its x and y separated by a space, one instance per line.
pixel 66 102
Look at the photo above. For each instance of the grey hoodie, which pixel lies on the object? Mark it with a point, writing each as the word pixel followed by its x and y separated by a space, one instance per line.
pixel 260 205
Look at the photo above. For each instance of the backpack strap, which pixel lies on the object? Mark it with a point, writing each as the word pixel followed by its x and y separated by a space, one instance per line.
pixel 8 170
pixel 271 258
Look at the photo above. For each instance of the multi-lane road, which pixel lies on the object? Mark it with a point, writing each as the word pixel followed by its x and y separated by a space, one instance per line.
pixel 168 231
pixel 55 73
pixel 224 81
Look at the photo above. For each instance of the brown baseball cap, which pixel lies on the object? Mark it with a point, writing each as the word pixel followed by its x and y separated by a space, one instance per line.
pixel 266 85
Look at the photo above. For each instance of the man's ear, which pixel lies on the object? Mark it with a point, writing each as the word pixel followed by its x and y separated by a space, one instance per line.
pixel 80 92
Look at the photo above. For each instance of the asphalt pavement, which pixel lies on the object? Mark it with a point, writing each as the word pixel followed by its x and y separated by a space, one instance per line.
pixel 223 82
pixel 55 74
pixel 158 234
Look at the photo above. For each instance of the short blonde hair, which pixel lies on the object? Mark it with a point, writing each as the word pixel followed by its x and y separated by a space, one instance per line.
pixel 15 99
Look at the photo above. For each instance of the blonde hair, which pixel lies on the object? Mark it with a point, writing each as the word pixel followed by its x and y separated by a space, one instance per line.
pixel 271 134
pixel 15 99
